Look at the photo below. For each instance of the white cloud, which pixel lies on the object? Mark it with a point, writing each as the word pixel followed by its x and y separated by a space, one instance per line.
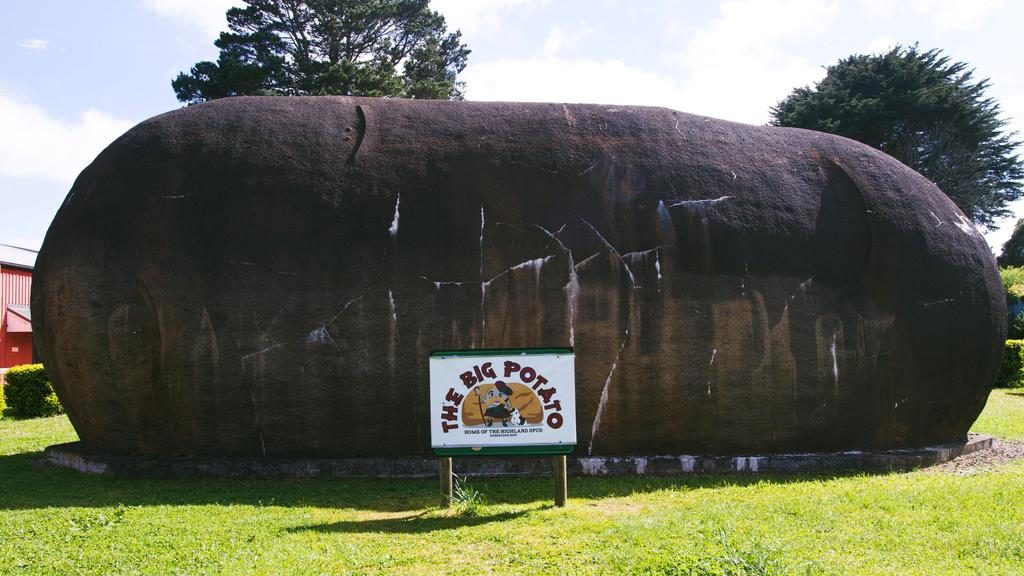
pixel 1012 107
pixel 474 15
pixel 560 39
pixel 881 45
pixel 563 80
pixel 956 15
pixel 34 44
pixel 207 16
pixel 879 9
pixel 945 15
pixel 36 145
pixel 734 68
pixel 744 61
pixel 466 15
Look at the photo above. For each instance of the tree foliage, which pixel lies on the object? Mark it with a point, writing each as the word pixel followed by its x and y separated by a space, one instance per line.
pixel 927 112
pixel 1013 287
pixel 319 47
pixel 1013 249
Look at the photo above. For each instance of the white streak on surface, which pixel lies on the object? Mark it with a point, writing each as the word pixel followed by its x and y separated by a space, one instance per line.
pixel 263 445
pixel 572 287
pixel 345 308
pixel 657 264
pixel 572 293
pixel 534 264
pixel 603 404
pixel 589 168
pixel 570 120
pixel 482 222
pixel 714 352
pixel 664 218
pixel 966 226
pixel 937 221
pixel 438 283
pixel 263 351
pixel 320 336
pixel 483 287
pixel 642 253
pixel 835 363
pixel 252 398
pixel 632 279
pixel 703 202
pixel 587 259
pixel 394 221
pixel 937 302
pixel 391 303
pixel 799 290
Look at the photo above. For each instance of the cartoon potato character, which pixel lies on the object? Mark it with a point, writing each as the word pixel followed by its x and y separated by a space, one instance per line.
pixel 497 404
pixel 510 403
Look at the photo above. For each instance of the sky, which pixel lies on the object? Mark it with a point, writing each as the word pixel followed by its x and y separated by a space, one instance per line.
pixel 75 75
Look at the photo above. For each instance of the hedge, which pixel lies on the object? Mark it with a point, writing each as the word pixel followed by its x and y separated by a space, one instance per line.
pixel 3 405
pixel 1011 373
pixel 29 392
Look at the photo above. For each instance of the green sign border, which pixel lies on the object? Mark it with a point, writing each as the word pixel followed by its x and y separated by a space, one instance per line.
pixel 501 352
pixel 552 449
pixel 545 450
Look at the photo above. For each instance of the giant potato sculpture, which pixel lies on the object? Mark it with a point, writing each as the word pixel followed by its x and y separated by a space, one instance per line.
pixel 267 277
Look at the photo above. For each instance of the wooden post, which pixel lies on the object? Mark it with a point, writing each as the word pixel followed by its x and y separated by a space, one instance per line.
pixel 444 471
pixel 561 484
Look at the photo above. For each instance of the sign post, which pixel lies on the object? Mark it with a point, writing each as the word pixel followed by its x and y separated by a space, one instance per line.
pixel 503 402
pixel 444 470
pixel 561 483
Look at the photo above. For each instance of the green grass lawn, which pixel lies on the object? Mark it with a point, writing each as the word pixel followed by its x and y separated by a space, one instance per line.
pixel 55 521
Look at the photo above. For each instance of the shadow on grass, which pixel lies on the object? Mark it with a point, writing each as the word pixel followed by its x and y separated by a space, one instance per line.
pixel 1016 393
pixel 27 483
pixel 415 524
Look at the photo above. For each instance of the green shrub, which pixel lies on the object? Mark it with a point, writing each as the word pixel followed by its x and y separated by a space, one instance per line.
pixel 3 404
pixel 1013 283
pixel 1015 327
pixel 1011 373
pixel 1013 288
pixel 29 392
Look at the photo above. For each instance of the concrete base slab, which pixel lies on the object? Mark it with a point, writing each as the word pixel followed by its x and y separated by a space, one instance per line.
pixel 77 457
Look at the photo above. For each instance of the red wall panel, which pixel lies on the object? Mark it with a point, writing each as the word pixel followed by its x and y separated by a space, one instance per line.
pixel 15 289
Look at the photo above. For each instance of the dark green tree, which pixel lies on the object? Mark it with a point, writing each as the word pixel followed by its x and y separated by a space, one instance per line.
pixel 1013 250
pixel 345 47
pixel 925 111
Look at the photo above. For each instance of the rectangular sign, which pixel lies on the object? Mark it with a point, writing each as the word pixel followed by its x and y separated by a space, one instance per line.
pixel 520 401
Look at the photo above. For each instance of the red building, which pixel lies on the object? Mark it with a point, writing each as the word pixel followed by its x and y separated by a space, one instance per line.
pixel 15 317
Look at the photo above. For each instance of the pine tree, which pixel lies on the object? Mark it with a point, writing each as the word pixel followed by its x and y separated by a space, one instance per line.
pixel 317 47
pixel 927 112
